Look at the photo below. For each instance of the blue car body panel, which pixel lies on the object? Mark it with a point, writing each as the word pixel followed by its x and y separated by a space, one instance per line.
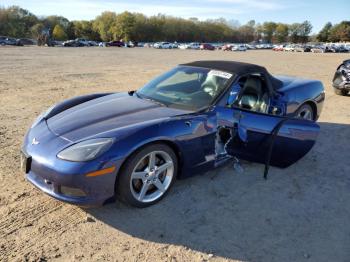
pixel 135 122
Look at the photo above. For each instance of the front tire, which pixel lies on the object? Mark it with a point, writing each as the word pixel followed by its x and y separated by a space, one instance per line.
pixel 147 175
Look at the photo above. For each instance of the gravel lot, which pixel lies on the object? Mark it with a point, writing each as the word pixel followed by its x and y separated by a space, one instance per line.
pixel 299 214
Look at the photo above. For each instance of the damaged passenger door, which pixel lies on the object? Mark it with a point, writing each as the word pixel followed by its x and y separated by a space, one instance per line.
pixel 258 134
pixel 278 140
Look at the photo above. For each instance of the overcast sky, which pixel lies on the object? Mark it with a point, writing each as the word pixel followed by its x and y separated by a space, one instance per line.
pixel 316 11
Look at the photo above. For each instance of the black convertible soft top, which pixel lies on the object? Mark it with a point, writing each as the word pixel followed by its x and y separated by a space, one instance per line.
pixel 238 68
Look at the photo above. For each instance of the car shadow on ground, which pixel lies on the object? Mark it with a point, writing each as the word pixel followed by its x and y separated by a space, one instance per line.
pixel 299 213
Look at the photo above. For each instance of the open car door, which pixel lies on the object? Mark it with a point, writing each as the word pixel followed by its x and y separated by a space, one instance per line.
pixel 261 137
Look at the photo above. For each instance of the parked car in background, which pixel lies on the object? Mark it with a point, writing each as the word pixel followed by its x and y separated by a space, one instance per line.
pixel 278 48
pixel 239 48
pixel 163 45
pixel 264 46
pixel 227 47
pixel 27 41
pixel 302 48
pixel 194 46
pixel 337 49
pixel 72 43
pixel 92 43
pixel 289 48
pixel 321 49
pixel 318 49
pixel 4 40
pixel 131 44
pixel 82 41
pixel 115 43
pixel 341 79
pixel 205 46
pixel 347 47
pixel 250 46
pixel 183 46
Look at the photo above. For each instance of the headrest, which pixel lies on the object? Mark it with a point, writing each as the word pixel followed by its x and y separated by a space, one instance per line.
pixel 253 83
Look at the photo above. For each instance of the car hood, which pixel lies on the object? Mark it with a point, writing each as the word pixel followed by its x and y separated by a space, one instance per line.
pixel 104 114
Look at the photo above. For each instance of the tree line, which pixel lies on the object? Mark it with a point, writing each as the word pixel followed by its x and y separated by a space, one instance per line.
pixel 18 22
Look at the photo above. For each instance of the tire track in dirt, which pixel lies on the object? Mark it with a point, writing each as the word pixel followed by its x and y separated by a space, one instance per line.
pixel 13 221
pixel 43 221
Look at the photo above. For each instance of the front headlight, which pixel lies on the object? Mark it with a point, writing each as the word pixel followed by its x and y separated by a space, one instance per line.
pixel 86 150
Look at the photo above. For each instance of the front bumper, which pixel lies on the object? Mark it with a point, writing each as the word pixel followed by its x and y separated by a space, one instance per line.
pixel 91 195
pixel 73 187
pixel 65 180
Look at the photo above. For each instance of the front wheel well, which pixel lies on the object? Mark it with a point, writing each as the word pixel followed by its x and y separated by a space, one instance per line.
pixel 169 143
pixel 314 108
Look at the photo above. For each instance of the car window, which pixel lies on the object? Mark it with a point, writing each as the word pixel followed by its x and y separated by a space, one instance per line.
pixel 250 93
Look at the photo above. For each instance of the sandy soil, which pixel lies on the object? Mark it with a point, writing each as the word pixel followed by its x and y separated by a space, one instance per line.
pixel 299 214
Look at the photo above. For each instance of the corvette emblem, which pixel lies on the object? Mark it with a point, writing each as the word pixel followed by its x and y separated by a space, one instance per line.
pixel 35 142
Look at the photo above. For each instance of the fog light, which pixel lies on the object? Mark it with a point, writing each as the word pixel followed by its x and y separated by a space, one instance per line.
pixel 72 192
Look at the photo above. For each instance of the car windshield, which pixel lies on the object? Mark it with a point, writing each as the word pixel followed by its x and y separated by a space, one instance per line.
pixel 186 87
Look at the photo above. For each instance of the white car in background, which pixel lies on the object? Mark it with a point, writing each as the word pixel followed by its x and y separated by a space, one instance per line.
pixel 289 48
pixel 163 45
pixel 239 48
pixel 183 46
pixel 194 46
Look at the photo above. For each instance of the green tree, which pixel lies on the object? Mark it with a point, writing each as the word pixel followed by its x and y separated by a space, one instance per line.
pixel 84 29
pixel 323 35
pixel 304 31
pixel 58 33
pixel 104 24
pixel 294 32
pixel 340 32
pixel 124 26
pixel 16 21
pixel 281 34
pixel 36 30
pixel 269 29
pixel 247 32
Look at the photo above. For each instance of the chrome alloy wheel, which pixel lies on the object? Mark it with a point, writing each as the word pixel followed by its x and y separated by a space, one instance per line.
pixel 152 176
pixel 305 112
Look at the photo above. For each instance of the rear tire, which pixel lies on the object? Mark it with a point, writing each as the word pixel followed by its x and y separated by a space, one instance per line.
pixel 147 175
pixel 306 112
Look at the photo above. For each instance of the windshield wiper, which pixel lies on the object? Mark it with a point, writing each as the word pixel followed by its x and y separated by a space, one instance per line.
pixel 150 99
pixel 157 102
pixel 137 94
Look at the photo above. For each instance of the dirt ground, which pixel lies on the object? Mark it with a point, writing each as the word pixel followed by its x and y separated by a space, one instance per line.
pixel 299 214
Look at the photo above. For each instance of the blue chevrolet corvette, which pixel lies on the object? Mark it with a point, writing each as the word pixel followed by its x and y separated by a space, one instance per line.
pixel 134 145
